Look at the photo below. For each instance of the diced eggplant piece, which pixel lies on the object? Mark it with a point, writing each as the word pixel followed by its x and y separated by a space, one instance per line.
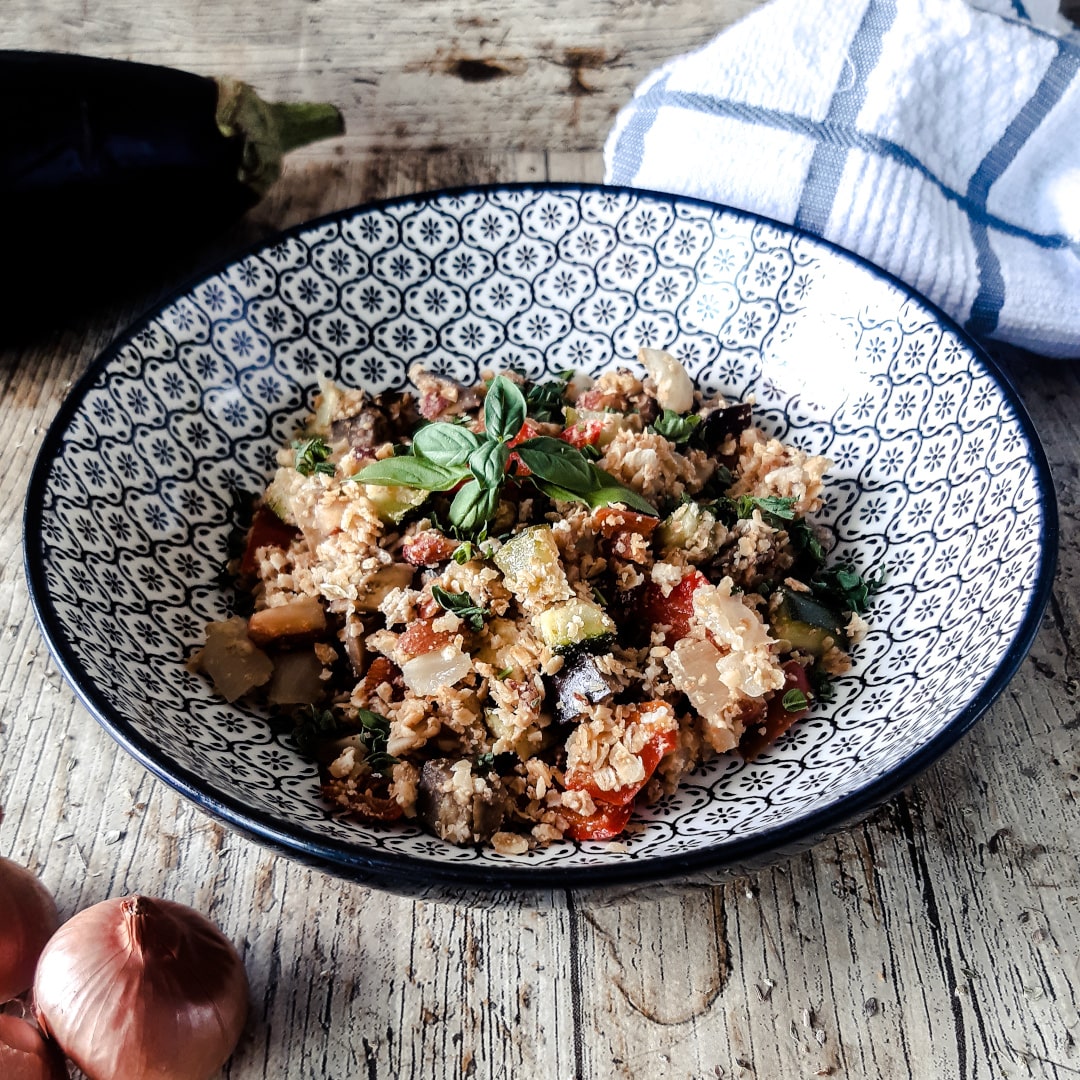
pixel 720 423
pixel 440 396
pixel 385 418
pixel 458 806
pixel 232 660
pixel 579 685
pixel 392 576
pixel 809 625
pixel 297 679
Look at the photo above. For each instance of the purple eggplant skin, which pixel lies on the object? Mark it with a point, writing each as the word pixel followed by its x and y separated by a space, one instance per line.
pixel 109 168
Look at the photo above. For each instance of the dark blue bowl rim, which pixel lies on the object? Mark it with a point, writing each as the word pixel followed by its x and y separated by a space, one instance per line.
pixel 408 873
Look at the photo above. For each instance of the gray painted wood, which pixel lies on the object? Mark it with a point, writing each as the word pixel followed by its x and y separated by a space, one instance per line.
pixel 937 939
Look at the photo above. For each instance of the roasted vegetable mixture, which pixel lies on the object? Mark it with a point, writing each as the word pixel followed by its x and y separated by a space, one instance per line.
pixel 516 611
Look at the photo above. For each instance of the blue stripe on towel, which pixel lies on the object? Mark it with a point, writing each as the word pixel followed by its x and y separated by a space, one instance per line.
pixel 630 146
pixel 986 308
pixel 1020 11
pixel 849 138
pixel 827 163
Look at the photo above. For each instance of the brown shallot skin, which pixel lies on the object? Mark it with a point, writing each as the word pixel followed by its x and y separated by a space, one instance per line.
pixel 134 989
pixel 25 1055
pixel 28 918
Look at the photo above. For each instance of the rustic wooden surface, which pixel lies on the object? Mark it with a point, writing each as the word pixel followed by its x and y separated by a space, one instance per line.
pixel 938 939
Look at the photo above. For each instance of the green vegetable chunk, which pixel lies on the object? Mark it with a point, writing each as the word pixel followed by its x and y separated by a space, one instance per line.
pixel 576 625
pixel 809 625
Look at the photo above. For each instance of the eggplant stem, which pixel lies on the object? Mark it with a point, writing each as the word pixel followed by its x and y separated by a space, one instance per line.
pixel 304 122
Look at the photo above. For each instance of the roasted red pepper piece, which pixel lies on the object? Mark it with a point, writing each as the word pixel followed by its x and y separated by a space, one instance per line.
pixel 651 754
pixel 676 610
pixel 515 466
pixel 583 433
pixel 606 824
pixel 777 719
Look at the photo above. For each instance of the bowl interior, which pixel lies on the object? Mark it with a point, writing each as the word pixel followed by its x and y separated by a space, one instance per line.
pixel 937 477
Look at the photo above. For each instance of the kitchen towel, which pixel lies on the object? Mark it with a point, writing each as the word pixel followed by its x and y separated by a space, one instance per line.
pixel 939 139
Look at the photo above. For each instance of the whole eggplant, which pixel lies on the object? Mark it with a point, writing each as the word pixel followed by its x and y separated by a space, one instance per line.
pixel 110 170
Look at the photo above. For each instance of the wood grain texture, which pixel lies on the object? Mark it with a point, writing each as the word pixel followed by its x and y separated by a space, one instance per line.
pixel 937 939
pixel 542 75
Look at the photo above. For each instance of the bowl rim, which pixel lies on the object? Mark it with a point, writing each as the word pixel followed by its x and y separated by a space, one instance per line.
pixel 401 871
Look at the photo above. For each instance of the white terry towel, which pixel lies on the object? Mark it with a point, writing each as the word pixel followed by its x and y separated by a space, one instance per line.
pixel 939 139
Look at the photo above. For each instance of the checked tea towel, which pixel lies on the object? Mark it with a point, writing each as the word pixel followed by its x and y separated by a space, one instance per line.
pixel 938 139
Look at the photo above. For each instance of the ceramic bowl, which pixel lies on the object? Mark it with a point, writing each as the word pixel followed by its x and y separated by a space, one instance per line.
pixel 938 479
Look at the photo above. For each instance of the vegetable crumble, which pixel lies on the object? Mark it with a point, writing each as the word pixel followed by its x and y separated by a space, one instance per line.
pixel 516 611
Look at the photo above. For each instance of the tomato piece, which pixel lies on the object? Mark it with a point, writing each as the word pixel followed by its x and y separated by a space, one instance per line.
pixel 623 528
pixel 267 530
pixel 583 433
pixel 514 463
pixel 661 742
pixel 421 639
pixel 606 824
pixel 428 548
pixel 777 719
pixel 676 610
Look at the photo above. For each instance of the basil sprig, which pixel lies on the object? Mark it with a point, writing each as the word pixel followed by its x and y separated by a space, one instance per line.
pixel 446 456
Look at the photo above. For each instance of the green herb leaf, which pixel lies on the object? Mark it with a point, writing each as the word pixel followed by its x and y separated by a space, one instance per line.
pixel 505 673
pixel 445 444
pixel 473 507
pixel 504 409
pixel 462 605
pixel 675 427
pixel 412 472
pixel 311 457
pixel 317 726
pixel 614 492
pixel 845 588
pixel 545 401
pixel 463 554
pixel 557 462
pixel 375 733
pixel 778 506
pixel 805 540
pixel 795 701
pixel 488 463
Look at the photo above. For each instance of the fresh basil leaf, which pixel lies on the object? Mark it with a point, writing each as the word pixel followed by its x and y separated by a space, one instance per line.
pixel 461 604
pixel 445 444
pixel 504 409
pixel 607 490
pixel 605 496
pixel 553 491
pixel 473 507
pixel 557 462
pixel 675 427
pixel 411 472
pixel 488 463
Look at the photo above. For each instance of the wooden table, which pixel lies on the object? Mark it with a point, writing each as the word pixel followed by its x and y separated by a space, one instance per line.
pixel 938 939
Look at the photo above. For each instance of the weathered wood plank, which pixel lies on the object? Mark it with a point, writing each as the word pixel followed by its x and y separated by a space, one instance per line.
pixel 436 74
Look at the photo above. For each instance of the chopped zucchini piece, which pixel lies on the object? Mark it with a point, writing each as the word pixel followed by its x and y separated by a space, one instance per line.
pixel 576 625
pixel 532 570
pixel 278 496
pixel 681 529
pixel 808 624
pixel 380 584
pixel 393 504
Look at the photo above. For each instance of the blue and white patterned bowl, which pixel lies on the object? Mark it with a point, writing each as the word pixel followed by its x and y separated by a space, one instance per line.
pixel 939 479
